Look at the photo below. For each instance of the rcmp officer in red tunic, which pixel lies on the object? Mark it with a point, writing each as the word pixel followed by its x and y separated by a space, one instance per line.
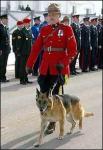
pixel 60 48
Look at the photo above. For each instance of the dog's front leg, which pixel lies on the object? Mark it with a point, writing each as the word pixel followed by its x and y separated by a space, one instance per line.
pixel 43 126
pixel 61 124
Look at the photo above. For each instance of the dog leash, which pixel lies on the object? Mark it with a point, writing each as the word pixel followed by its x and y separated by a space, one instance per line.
pixel 59 68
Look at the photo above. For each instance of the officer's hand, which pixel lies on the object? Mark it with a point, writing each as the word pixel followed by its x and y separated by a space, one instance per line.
pixel 70 60
pixel 90 48
pixel 28 70
pixel 0 52
pixel 100 46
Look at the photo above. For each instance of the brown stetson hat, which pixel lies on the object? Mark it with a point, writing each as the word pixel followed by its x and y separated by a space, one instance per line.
pixel 54 8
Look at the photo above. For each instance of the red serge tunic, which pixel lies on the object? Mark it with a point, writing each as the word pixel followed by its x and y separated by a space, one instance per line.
pixel 63 37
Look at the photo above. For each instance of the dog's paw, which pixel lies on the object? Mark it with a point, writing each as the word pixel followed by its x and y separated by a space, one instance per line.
pixel 60 137
pixel 37 145
pixel 70 132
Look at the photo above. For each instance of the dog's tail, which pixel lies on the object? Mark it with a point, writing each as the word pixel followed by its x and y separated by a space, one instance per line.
pixel 88 114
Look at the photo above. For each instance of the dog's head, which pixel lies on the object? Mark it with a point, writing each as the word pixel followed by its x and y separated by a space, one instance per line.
pixel 42 100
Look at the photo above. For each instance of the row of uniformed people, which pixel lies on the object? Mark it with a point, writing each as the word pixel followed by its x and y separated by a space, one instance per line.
pixel 89 43
pixel 22 39
pixel 88 36
pixel 91 56
pixel 21 42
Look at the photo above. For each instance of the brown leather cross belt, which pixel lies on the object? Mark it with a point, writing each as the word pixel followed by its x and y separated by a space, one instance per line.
pixel 50 49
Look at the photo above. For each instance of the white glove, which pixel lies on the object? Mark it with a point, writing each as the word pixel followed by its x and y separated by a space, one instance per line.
pixel 90 48
pixel 100 46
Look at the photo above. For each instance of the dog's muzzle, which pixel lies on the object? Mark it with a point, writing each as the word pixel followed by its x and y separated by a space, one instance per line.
pixel 42 110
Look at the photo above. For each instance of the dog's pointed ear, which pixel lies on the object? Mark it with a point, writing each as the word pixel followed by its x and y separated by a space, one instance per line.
pixel 48 93
pixel 37 92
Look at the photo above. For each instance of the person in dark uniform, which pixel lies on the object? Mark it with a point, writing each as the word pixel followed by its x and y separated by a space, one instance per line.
pixel 4 47
pixel 65 20
pixel 94 43
pixel 25 51
pixel 17 44
pixel 35 31
pixel 84 59
pixel 60 48
pixel 45 22
pixel 100 43
pixel 76 28
pixel 35 28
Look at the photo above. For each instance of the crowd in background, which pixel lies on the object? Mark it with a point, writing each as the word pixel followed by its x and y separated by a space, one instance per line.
pixel 88 36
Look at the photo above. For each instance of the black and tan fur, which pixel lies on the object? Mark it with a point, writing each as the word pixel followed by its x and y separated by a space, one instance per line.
pixel 59 108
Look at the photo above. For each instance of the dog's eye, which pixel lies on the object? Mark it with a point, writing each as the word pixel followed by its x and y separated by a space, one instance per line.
pixel 44 102
pixel 39 101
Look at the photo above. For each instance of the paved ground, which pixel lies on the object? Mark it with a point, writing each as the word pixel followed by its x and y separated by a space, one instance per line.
pixel 20 122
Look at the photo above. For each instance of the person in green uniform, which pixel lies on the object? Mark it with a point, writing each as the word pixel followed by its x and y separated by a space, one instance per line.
pixel 17 44
pixel 26 48
pixel 4 47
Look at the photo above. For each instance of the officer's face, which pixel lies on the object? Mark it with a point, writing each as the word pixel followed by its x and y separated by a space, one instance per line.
pixel 27 25
pixel 20 26
pixel 86 22
pixel 5 21
pixel 37 21
pixel 94 22
pixel 66 22
pixel 47 18
pixel 75 19
pixel 53 17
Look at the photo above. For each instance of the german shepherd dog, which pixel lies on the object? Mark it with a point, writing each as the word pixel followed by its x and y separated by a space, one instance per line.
pixel 58 108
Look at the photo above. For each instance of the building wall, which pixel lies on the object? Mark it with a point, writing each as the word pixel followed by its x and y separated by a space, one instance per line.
pixel 66 6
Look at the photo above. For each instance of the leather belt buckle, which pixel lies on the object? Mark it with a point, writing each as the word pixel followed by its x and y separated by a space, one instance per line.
pixel 49 49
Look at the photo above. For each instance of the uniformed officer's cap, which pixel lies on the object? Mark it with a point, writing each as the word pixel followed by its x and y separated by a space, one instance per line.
pixel 75 15
pixel 37 18
pixel 26 20
pixel 53 8
pixel 94 19
pixel 19 22
pixel 45 14
pixel 5 16
pixel 86 18
pixel 66 18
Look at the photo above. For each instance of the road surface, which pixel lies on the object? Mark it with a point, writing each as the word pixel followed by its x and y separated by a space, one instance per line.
pixel 20 118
